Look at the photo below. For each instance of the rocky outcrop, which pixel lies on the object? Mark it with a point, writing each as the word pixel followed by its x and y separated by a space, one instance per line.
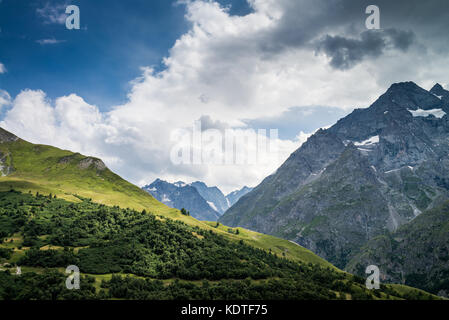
pixel 92 162
pixel 6 167
pixel 6 136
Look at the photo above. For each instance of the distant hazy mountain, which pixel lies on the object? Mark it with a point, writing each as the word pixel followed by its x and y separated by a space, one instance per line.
pixel 203 202
pixel 180 195
pixel 234 196
pixel 213 196
pixel 372 172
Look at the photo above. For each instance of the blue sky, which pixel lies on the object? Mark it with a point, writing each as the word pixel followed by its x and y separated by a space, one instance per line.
pixel 140 71
pixel 97 62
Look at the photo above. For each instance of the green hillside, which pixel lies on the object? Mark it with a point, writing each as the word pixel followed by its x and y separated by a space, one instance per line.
pixel 46 169
pixel 129 254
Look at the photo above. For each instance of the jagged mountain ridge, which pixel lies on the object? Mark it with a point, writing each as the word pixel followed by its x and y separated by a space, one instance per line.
pixel 373 171
pixel 203 202
pixel 182 196
pixel 234 196
pixel 213 196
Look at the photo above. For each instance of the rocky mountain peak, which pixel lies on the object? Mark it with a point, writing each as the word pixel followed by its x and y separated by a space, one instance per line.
pixel 374 170
pixel 437 88
pixel 408 95
pixel 408 86
pixel 440 92
pixel 199 184
pixel 181 195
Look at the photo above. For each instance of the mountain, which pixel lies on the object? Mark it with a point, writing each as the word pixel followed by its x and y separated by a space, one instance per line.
pixel 218 201
pixel 416 254
pixel 234 196
pixel 203 202
pixel 59 208
pixel 373 171
pixel 213 196
pixel 180 195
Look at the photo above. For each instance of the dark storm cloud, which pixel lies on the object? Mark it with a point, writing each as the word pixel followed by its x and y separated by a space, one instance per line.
pixel 400 39
pixel 344 52
pixel 340 26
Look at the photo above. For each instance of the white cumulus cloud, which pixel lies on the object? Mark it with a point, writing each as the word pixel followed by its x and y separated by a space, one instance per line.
pixel 226 70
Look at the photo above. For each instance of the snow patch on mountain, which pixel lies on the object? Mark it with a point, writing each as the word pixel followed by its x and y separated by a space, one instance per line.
pixel 437 113
pixel 367 142
pixel 180 184
pixel 399 169
pixel 212 205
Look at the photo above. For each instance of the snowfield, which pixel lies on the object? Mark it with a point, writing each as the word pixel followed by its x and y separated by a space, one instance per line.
pixel 367 142
pixel 437 113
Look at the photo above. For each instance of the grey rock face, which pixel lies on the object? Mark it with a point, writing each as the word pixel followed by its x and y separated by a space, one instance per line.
pixel 89 161
pixel 6 136
pixel 373 171
pixel 213 195
pixel 417 254
pixel 5 168
pixel 234 196
pixel 216 198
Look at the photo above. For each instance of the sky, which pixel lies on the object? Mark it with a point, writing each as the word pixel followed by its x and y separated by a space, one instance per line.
pixel 133 82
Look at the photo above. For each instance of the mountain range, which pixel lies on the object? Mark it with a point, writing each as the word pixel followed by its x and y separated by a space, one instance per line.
pixel 59 208
pixel 372 189
pixel 203 202
pixel 371 173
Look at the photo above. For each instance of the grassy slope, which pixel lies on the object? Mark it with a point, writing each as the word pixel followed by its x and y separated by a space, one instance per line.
pixel 38 168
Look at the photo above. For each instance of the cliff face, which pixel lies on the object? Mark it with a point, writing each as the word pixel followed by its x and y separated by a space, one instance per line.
pixel 417 254
pixel 373 171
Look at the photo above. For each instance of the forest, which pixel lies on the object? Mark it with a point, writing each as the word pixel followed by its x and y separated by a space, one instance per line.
pixel 127 254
